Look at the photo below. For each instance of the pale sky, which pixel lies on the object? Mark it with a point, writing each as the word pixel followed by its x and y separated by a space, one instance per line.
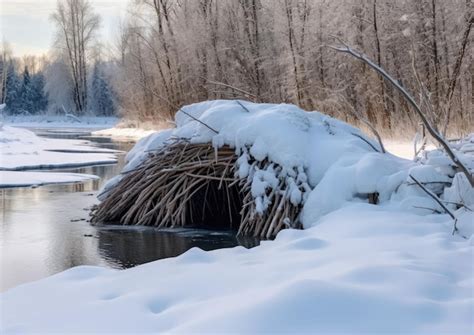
pixel 26 26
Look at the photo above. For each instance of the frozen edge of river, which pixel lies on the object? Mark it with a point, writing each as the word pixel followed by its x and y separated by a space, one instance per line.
pixel 22 149
pixel 16 179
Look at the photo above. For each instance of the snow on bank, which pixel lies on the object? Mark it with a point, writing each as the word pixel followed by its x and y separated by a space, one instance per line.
pixel 124 133
pixel 131 130
pixel 60 121
pixel 360 269
pixel 403 148
pixel 24 179
pixel 21 149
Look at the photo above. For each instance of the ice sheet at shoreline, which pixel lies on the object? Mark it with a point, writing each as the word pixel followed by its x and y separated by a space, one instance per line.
pixel 21 149
pixel 30 178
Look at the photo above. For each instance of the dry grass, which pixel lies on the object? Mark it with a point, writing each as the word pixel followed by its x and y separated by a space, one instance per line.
pixel 187 184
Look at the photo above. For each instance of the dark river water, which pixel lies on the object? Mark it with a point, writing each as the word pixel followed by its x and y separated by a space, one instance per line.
pixel 45 230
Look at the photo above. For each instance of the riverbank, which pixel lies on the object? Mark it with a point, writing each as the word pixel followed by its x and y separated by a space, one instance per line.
pixel 117 133
pixel 68 121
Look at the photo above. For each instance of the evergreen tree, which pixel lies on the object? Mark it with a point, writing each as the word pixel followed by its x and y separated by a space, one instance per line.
pixel 13 87
pixel 38 96
pixel 26 92
pixel 102 98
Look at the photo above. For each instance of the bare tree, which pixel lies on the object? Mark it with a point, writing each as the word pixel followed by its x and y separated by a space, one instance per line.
pixel 4 60
pixel 77 25
pixel 431 129
pixel 180 52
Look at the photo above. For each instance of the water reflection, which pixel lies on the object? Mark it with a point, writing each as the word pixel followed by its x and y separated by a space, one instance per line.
pixel 127 248
pixel 45 230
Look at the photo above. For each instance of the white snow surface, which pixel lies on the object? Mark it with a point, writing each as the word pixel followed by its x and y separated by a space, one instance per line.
pixel 403 148
pixel 394 267
pixel 124 133
pixel 21 149
pixel 60 121
pixel 30 178
pixel 361 269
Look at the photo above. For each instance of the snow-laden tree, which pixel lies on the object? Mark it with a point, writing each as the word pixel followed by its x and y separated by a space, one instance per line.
pixel 178 52
pixel 58 87
pixel 102 99
pixel 38 96
pixel 26 93
pixel 5 56
pixel 12 88
pixel 77 25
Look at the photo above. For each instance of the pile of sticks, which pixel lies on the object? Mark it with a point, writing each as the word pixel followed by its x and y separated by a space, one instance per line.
pixel 184 184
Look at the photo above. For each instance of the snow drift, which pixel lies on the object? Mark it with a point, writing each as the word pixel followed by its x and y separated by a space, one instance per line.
pixel 362 269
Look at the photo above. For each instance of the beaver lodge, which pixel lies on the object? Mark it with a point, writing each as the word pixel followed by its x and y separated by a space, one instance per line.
pixel 228 165
pixel 188 184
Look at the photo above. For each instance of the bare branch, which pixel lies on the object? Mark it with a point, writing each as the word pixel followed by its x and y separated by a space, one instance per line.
pixel 242 105
pixel 245 93
pixel 365 140
pixel 197 120
pixel 433 132
pixel 438 200
pixel 366 122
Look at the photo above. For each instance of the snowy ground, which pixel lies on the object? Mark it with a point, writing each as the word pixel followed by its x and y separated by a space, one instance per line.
pixel 59 121
pixel 361 269
pixel 124 133
pixel 402 148
pixel 21 149
pixel 130 130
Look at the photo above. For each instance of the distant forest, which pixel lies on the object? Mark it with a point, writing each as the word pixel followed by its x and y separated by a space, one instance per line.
pixel 174 52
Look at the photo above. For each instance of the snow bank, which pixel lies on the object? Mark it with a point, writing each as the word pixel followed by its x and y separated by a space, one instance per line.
pixel 124 133
pixel 361 269
pixel 60 121
pixel 403 148
pixel 21 149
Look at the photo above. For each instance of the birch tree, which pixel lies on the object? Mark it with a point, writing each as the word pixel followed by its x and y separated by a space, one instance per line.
pixel 76 25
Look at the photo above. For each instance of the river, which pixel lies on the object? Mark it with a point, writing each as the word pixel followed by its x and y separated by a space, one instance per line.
pixel 45 230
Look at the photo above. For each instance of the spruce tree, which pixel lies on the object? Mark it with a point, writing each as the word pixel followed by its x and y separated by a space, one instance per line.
pixel 26 93
pixel 38 96
pixel 102 97
pixel 13 86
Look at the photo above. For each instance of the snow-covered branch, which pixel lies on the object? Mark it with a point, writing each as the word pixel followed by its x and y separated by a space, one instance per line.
pixel 433 132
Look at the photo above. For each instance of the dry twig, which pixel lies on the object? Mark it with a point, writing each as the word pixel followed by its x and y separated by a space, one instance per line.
pixel 433 132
